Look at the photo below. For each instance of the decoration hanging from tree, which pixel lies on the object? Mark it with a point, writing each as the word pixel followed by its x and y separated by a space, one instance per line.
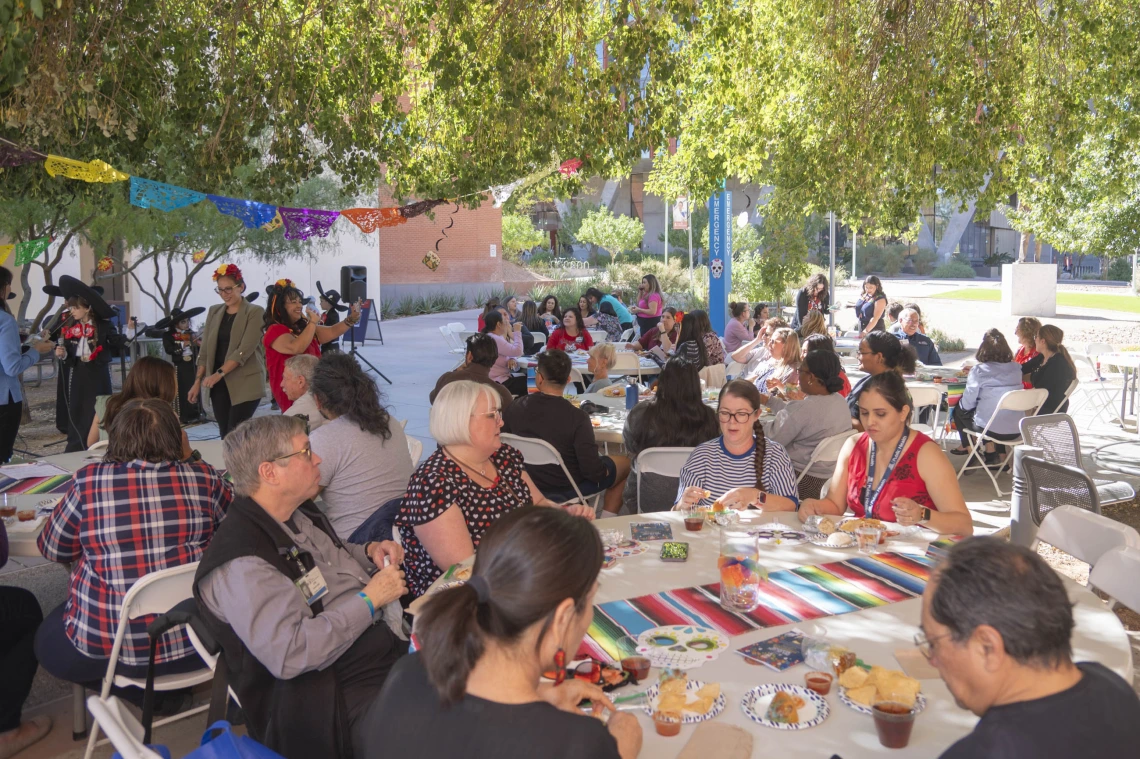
pixel 105 264
pixel 431 260
pixel 26 252
pixel 303 223
pixel 91 171
pixel 198 257
pixel 371 219
pixel 274 225
pixel 419 208
pixel 12 156
pixel 5 251
pixel 146 193
pixel 251 213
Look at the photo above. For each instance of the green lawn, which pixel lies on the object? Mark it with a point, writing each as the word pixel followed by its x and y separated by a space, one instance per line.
pixel 1129 303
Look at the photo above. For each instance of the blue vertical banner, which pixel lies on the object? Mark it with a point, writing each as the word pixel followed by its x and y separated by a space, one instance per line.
pixel 720 258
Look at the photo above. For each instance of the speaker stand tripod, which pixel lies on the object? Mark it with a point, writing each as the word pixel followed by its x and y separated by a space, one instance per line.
pixel 352 351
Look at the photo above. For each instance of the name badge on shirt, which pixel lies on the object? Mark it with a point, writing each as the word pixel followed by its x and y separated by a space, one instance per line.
pixel 904 342
pixel 312 586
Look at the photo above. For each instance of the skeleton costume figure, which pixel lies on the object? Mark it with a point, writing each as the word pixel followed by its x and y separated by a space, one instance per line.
pixel 182 345
pixel 84 348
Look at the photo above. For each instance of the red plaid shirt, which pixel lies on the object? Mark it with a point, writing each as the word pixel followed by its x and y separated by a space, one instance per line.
pixel 119 522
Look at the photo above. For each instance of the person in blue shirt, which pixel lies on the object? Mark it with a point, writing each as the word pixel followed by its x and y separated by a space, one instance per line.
pixel 597 297
pixel 907 331
pixel 13 363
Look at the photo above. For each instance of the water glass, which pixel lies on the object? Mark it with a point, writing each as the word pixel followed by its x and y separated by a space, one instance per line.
pixel 868 539
pixel 610 538
pixel 740 570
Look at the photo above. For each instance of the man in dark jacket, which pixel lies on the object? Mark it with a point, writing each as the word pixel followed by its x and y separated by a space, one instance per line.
pixel 301 624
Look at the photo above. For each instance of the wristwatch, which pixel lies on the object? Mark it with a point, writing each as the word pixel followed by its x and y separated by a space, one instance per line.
pixel 925 516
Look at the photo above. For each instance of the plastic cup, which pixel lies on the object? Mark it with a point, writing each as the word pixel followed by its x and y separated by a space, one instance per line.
pixel 867 538
pixel 694 520
pixel 636 666
pixel 820 682
pixel 893 723
pixel 668 724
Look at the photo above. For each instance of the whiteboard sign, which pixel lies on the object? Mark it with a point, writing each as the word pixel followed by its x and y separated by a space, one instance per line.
pixel 493 250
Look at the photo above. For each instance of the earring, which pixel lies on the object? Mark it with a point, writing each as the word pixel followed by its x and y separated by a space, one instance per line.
pixel 559 666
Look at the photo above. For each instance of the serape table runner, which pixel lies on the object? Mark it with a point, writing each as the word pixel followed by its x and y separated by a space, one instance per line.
pixel 35 485
pixel 788 596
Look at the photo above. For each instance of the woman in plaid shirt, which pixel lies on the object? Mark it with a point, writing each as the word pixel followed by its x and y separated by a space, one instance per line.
pixel 140 510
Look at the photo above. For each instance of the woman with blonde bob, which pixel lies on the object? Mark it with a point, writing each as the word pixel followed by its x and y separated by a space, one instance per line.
pixel 602 358
pixel 471 480
pixel 783 368
pixel 814 324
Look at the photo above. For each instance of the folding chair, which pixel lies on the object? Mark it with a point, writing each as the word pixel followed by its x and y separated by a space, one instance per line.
pixel 452 344
pixel 1084 535
pixel 598 335
pixel 1056 435
pixel 539 338
pixel 210 653
pixel 1100 393
pixel 538 452
pixel 827 450
pixel 1049 486
pixel 1115 575
pixel 663 461
pixel 122 729
pixel 99 445
pixel 1072 388
pixel 154 593
pixel 627 362
pixel 926 397
pixel 627 335
pixel 457 327
pixel 416 449
pixel 713 376
pixel 734 369
pixel 1026 401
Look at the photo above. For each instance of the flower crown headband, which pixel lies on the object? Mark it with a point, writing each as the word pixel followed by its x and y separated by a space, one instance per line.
pixel 278 288
pixel 229 270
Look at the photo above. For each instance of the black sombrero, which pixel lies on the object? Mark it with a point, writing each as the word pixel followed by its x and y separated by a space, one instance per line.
pixel 176 316
pixel 252 296
pixel 332 296
pixel 73 288
pixel 55 292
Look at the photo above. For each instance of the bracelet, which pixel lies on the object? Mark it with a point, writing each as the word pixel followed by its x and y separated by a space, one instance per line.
pixel 367 600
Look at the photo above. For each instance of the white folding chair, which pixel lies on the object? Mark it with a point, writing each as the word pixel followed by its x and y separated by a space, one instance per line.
pixel 457 327
pixel 1084 535
pixel 539 338
pixel 99 445
pixel 1072 388
pixel 1101 392
pixel 576 376
pixel 463 335
pixel 628 363
pixel 154 593
pixel 453 345
pixel 538 452
pixel 926 397
pixel 1026 401
pixel 122 729
pixel 627 335
pixel 713 376
pixel 598 335
pixel 1115 575
pixel 664 461
pixel 210 659
pixel 827 450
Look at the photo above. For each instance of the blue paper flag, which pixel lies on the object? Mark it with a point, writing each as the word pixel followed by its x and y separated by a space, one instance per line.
pixel 251 213
pixel 146 193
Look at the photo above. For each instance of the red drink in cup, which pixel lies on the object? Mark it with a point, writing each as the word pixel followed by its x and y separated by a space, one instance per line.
pixel 893 722
pixel 636 666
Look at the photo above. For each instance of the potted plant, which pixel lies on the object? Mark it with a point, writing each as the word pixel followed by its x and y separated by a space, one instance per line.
pixel 994 262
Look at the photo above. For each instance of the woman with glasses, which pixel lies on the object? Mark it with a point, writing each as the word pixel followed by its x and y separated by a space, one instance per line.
pixel 231 360
pixel 288 333
pixel 891 472
pixel 879 352
pixel 742 468
pixel 471 480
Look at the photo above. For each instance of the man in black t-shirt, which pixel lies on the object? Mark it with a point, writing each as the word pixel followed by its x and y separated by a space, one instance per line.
pixel 997 624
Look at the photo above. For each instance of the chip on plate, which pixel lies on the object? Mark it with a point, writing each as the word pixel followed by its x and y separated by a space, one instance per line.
pixel 853 677
pixel 864 695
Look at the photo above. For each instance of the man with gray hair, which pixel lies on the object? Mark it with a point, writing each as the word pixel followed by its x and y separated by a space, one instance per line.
pixel 908 331
pixel 297 382
pixel 295 610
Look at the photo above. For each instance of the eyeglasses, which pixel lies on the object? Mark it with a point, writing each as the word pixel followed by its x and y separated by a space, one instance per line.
pixel 224 290
pixel 307 451
pixel 866 353
pixel 497 415
pixel 925 645
pixel 740 417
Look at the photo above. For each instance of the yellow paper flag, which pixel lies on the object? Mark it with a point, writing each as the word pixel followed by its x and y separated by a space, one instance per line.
pixel 92 171
pixel 5 251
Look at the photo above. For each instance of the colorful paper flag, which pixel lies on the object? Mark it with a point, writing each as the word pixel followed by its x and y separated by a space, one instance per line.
pixel 274 225
pixel 5 251
pixel 371 219
pixel 12 156
pixel 28 251
pixel 251 213
pixel 91 171
pixel 146 193
pixel 303 223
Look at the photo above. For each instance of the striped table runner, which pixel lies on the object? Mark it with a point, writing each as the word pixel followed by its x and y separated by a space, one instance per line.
pixel 789 595
pixel 35 485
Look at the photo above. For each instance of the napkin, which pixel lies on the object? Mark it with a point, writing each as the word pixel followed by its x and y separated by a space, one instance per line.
pixel 915 665
pixel 719 740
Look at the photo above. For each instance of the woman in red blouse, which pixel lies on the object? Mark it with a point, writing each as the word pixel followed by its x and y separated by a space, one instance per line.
pixel 288 333
pixel 572 335
pixel 891 472
pixel 1026 332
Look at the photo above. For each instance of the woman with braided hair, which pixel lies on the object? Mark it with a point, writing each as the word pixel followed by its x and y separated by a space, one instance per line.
pixel 289 333
pixel 742 468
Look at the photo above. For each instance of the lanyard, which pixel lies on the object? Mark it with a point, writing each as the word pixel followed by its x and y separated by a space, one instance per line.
pixel 869 497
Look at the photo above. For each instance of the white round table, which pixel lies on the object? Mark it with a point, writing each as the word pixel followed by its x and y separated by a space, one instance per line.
pixel 874 635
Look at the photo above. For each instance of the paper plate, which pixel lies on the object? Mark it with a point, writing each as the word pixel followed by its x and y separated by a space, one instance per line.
pixel 682 646
pixel 756 701
pixel 627 548
pixel 919 704
pixel 687 717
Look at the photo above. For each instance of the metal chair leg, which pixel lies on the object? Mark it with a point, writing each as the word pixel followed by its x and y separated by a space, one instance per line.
pixel 78 712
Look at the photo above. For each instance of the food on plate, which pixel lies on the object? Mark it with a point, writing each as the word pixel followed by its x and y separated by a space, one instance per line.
pixel 880 684
pixel 840 540
pixel 785 708
pixel 706 695
pixel 826 526
pixel 463 573
pixel 613 391
pixel 674 697
pixel 851 525
pixel 596 422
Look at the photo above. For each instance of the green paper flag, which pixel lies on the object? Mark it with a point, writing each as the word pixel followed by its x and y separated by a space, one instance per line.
pixel 30 250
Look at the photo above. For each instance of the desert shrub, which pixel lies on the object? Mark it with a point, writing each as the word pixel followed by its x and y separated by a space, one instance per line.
pixel 924 262
pixel 954 270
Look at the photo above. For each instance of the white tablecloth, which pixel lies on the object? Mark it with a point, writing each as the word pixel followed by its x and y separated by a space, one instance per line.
pixel 873 634
pixel 24 543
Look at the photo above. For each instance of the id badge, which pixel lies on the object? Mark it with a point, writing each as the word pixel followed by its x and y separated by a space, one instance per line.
pixel 312 586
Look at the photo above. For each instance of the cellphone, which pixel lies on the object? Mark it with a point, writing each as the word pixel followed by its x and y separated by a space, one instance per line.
pixel 672 550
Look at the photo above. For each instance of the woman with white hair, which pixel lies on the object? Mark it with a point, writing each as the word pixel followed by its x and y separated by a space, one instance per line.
pixel 603 356
pixel 471 480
